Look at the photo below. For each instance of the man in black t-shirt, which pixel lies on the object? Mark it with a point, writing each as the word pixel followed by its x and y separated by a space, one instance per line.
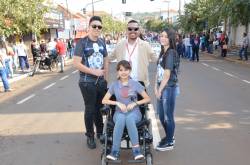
pixel 90 58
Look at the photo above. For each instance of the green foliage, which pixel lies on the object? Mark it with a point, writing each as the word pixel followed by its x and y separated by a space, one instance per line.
pixel 111 26
pixel 18 17
pixel 212 13
pixel 157 25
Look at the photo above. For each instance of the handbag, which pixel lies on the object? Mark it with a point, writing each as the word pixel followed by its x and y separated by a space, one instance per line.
pixel 224 46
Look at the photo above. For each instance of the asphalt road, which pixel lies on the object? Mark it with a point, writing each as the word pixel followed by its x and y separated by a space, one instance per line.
pixel 42 122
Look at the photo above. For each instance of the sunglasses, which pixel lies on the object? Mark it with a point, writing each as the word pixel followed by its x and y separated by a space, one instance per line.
pixel 133 29
pixel 96 26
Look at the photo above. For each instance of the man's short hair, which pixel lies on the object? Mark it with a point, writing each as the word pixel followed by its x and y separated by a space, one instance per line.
pixel 95 18
pixel 133 21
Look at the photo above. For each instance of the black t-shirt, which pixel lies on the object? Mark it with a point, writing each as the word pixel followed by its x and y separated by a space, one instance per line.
pixel 168 61
pixel 92 54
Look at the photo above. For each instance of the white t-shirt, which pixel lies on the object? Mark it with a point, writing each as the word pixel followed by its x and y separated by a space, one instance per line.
pixel 132 56
pixel 21 50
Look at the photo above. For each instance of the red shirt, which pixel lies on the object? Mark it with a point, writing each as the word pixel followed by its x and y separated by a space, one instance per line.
pixel 60 47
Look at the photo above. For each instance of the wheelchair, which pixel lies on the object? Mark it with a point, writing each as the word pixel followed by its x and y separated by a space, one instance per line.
pixel 144 131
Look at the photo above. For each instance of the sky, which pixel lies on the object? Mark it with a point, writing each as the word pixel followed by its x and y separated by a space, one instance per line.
pixel 115 6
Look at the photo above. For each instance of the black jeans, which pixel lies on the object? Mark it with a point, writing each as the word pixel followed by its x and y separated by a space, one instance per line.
pixel 195 53
pixel 92 95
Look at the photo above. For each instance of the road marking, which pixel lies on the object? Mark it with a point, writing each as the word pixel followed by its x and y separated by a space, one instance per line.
pixel 26 99
pixel 50 85
pixel 230 75
pixel 246 81
pixel 214 68
pixel 74 71
pixel 64 77
pixel 205 64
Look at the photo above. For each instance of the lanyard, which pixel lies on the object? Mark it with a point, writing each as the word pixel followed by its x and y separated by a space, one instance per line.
pixel 131 53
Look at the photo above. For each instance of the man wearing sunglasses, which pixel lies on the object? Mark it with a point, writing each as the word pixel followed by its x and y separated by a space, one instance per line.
pixel 138 52
pixel 91 61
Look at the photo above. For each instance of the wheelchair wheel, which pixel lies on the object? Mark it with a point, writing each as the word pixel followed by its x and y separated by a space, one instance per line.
pixel 149 159
pixel 103 159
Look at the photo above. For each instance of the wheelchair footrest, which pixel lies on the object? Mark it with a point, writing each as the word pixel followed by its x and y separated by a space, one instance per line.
pixel 136 161
pixel 114 161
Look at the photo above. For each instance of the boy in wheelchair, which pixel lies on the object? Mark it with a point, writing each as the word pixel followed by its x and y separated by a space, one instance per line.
pixel 127 113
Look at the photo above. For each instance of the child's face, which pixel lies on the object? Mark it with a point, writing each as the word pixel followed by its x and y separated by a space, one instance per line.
pixel 123 73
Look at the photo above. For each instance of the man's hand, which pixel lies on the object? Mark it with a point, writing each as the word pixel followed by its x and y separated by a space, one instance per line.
pixel 98 72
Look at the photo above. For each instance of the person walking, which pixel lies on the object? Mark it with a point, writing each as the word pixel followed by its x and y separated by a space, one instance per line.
pixel 22 54
pixel 3 74
pixel 244 46
pixel 165 88
pixel 61 50
pixel 138 52
pixel 90 58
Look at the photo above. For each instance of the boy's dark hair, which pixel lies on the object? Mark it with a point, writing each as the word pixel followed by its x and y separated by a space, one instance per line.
pixel 123 63
pixel 133 21
pixel 95 18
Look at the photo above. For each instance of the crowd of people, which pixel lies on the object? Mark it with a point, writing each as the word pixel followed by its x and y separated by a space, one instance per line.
pixel 15 56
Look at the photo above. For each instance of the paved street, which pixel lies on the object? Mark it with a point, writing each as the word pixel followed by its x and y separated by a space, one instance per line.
pixel 42 120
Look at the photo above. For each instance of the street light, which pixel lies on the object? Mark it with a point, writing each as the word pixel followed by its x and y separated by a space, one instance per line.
pixel 92 3
pixel 167 1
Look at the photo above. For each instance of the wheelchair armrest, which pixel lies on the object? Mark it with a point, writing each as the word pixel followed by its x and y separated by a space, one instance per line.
pixel 105 110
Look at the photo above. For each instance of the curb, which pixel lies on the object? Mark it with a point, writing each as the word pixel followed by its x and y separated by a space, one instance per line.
pixel 228 59
pixel 22 76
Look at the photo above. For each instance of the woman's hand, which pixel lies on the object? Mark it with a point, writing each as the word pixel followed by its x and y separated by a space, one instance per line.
pixel 131 106
pixel 122 107
pixel 158 94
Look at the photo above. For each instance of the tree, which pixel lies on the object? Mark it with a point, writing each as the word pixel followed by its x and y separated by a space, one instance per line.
pixel 21 17
pixel 211 13
pixel 112 26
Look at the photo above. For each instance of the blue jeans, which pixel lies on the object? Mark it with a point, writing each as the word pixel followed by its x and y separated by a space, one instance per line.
pixel 4 78
pixel 23 60
pixel 165 108
pixel 129 120
pixel 243 50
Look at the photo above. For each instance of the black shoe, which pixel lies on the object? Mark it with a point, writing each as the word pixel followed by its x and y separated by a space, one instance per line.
pixel 163 141
pixel 98 135
pixel 91 142
pixel 165 147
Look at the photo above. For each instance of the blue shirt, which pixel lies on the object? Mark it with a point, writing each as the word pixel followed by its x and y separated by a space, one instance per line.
pixel 126 94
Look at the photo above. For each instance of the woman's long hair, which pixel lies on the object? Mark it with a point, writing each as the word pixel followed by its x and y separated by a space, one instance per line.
pixel 172 42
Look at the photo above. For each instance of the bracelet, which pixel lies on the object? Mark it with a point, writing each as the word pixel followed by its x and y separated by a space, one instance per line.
pixel 136 103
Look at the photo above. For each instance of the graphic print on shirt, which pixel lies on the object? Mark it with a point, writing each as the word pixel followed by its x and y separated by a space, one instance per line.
pixel 96 59
pixel 160 71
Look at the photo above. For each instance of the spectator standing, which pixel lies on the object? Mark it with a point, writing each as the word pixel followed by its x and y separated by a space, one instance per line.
pixel 224 45
pixel 244 46
pixel 35 50
pixel 138 52
pixel 90 58
pixel 195 41
pixel 165 88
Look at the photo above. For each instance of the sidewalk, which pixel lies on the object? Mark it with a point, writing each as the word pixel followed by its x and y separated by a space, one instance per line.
pixel 19 75
pixel 232 56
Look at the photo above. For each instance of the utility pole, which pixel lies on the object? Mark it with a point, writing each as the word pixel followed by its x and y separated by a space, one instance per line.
pixel 168 9
pixel 93 10
pixel 179 8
